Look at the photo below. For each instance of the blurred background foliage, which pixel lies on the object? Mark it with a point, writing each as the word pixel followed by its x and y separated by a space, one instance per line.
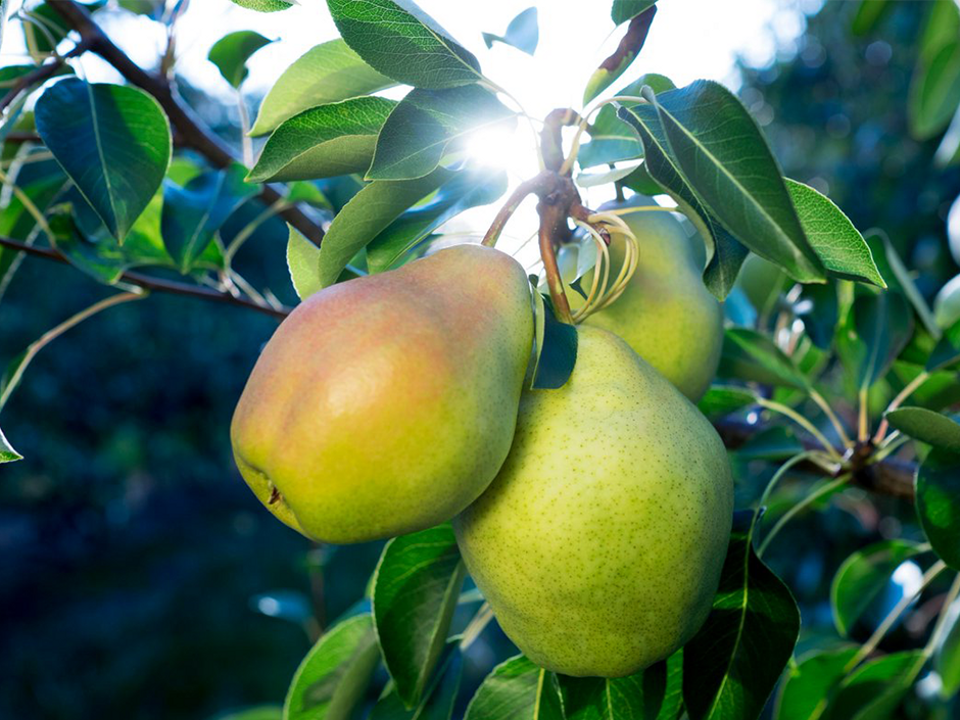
pixel 141 579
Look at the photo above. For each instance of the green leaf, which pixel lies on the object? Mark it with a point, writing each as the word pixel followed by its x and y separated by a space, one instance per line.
pixel 773 444
pixel 938 503
pixel 873 690
pixel 466 190
pixel 804 694
pixel 819 308
pixel 112 141
pixel 869 13
pixel 638 696
pixel 303 262
pixel 935 92
pixel 231 52
pixel 522 33
pixel 898 277
pixel 401 41
pixel 752 356
pixel 264 712
pixel 427 124
pixel 732 665
pixel 722 400
pixel 946 661
pixel 723 157
pixel 725 253
pixel 863 576
pixel 415 591
pixel 884 325
pixel 327 73
pixel 367 214
pixel 326 141
pixel 7 453
pixel 625 10
pixel 265 6
pixel 616 64
pixel 333 677
pixel 926 426
pixel 839 245
pixel 517 690
pixel 946 353
pixel 194 213
pixel 557 354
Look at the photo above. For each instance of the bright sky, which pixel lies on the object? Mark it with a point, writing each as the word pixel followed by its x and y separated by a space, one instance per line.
pixel 690 39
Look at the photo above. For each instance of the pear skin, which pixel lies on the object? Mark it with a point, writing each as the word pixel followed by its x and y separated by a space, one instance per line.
pixel 386 404
pixel 600 543
pixel 666 313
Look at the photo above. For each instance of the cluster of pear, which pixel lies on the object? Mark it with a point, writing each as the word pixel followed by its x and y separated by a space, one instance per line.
pixel 594 518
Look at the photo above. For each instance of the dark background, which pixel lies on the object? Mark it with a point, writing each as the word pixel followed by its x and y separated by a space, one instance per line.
pixel 133 554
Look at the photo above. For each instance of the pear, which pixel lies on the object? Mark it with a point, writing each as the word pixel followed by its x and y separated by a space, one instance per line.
pixel 386 404
pixel 600 543
pixel 666 313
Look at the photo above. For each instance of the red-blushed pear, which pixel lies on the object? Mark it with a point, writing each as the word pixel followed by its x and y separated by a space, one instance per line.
pixel 387 404
pixel 600 543
pixel 666 313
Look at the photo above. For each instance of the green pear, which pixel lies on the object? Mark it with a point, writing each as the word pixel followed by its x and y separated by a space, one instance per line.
pixel 600 543
pixel 387 404
pixel 666 313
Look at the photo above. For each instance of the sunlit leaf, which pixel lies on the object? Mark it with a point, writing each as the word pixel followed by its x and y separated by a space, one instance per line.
pixel 625 10
pixel 617 63
pixel 722 400
pixel 427 124
pixel 807 687
pixel 265 5
pixel 401 41
pixel 639 696
pixel 7 453
pixel 517 690
pixel 113 142
pixel 874 689
pixel 325 141
pixel 231 52
pixel 303 262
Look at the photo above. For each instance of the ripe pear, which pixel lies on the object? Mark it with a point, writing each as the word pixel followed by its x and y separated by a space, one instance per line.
pixel 600 543
pixel 666 313
pixel 386 404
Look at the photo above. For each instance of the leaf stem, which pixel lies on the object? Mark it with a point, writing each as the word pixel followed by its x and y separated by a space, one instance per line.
pixel 792 512
pixel 781 472
pixel 476 626
pixel 834 420
pixel 863 401
pixel 907 391
pixel 802 422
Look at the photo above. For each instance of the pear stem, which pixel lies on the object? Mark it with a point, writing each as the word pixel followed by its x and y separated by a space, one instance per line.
pixel 552 214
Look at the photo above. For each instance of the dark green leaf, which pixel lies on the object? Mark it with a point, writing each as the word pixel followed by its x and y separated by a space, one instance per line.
pixel 427 124
pixel 946 353
pixel 863 576
pixel 333 677
pixel 722 400
pixel 640 181
pixel 722 155
pixel 732 665
pixel 415 591
pixel 935 92
pixel 898 277
pixel 7 453
pixel 624 10
pixel 819 308
pixel 938 503
pixel 367 214
pixel 466 190
pixel 726 254
pixel 265 5
pixel 947 657
pixel 327 73
pixel 807 687
pixel 639 696
pixel 522 33
pixel 325 141
pixel 231 52
pixel 113 142
pixel 926 426
pixel 264 712
pixel 303 262
pixel 774 444
pixel 884 325
pixel 556 353
pixel 752 356
pixel 193 214
pixel 839 245
pixel 874 689
pixel 401 41
pixel 517 690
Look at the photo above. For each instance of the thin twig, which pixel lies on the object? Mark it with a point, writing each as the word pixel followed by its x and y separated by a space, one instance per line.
pixel 42 73
pixel 149 282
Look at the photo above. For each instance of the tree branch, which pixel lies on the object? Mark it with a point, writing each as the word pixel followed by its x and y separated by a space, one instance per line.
pixel 148 282
pixel 190 132
pixel 42 73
